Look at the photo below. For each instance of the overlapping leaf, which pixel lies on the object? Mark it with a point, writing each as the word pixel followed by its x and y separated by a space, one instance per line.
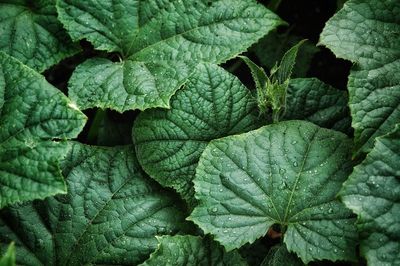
pixel 30 31
pixel 367 32
pixel 287 174
pixel 192 250
pixel 278 255
pixel 312 100
pixel 160 42
pixel 373 193
pixel 212 104
pixel 110 215
pixel 33 114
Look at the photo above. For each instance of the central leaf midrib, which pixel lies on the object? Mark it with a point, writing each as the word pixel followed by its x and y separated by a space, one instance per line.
pixel 256 205
pixel 309 143
pixel 137 53
pixel 94 217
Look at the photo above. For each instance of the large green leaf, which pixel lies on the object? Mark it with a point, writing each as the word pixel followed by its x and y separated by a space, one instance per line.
pixel 373 193
pixel 286 174
pixel 111 214
pixel 211 105
pixel 8 259
pixel 192 250
pixel 30 31
pixel 367 32
pixel 160 43
pixel 315 101
pixel 33 116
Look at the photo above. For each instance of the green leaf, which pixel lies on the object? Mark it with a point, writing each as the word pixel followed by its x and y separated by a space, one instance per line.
pixel 212 104
pixel 284 71
pixel 192 250
pixel 373 193
pixel 260 78
pixel 30 32
pixel 278 255
pixel 312 100
pixel 286 174
pixel 160 43
pixel 271 48
pixel 367 32
pixel 8 259
pixel 111 214
pixel 33 116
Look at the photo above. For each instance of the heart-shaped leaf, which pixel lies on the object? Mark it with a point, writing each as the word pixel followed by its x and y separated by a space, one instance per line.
pixel 286 174
pixel 373 193
pixel 33 115
pixel 31 32
pixel 211 105
pixel 160 43
pixel 367 32
pixel 111 214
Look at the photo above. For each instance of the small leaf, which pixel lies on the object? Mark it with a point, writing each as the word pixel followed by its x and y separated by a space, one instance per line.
pixel 261 81
pixel 160 44
pixel 31 33
pixel 271 48
pixel 312 100
pixel 111 214
pixel 212 104
pixel 33 115
pixel 278 255
pixel 287 174
pixel 354 33
pixel 287 63
pixel 373 192
pixel 8 259
pixel 192 250
pixel 271 91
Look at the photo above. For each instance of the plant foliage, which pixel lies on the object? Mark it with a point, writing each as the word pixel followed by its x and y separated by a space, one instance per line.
pixel 206 132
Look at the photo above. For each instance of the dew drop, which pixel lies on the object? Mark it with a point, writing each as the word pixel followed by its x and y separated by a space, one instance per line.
pixel 330 210
pixel 335 250
pixel 294 142
pixel 295 164
pixel 215 209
